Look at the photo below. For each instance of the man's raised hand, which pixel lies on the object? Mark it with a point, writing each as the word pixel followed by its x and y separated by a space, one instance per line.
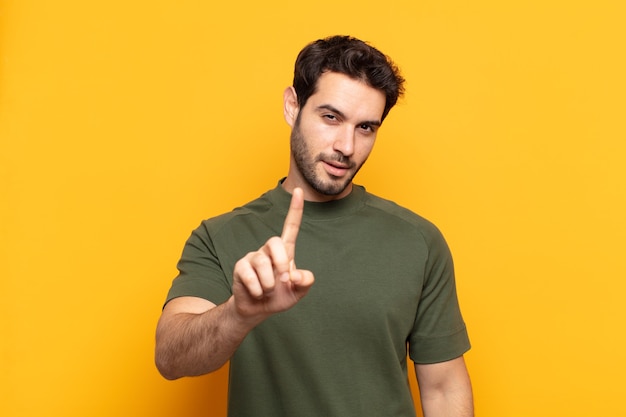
pixel 267 281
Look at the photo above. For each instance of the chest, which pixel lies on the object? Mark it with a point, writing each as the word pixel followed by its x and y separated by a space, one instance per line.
pixel 367 279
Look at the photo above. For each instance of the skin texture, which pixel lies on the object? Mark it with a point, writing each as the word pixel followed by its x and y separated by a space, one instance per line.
pixel 332 136
pixel 445 389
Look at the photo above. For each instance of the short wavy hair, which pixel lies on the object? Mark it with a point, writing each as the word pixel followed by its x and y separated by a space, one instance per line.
pixel 349 56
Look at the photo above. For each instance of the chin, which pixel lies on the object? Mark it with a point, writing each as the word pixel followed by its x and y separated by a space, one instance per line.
pixel 332 187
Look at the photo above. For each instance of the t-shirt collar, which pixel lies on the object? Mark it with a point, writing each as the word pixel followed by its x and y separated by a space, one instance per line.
pixel 320 210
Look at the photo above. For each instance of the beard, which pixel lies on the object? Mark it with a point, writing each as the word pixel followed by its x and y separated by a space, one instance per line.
pixel 306 164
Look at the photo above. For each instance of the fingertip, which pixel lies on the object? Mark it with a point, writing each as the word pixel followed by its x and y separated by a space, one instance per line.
pixel 307 278
pixel 298 195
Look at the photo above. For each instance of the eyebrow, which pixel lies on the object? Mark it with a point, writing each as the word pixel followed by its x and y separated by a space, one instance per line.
pixel 343 116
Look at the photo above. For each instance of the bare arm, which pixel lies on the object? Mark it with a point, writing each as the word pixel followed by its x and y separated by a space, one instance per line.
pixel 195 337
pixel 445 389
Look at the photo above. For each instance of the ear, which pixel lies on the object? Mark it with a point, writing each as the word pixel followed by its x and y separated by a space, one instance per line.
pixel 290 106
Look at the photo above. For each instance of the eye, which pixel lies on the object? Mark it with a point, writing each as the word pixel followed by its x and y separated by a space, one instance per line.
pixel 330 117
pixel 367 127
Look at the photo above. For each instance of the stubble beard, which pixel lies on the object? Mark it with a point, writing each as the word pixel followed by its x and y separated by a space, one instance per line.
pixel 306 164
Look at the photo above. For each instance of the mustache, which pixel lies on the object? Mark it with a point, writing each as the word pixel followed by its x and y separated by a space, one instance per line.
pixel 336 157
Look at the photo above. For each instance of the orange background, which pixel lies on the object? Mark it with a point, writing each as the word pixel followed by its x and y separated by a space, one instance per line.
pixel 123 124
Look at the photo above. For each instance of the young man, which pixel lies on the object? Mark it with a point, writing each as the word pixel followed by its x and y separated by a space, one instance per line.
pixel 314 290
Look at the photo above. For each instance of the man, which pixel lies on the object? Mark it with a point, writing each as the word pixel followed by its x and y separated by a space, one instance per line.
pixel 314 290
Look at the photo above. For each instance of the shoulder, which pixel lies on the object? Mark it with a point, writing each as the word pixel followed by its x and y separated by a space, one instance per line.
pixel 394 212
pixel 249 212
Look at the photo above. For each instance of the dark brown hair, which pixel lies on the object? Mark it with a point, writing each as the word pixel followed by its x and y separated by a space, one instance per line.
pixel 349 56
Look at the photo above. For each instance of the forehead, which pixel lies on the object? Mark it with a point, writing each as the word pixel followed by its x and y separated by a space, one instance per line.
pixel 352 97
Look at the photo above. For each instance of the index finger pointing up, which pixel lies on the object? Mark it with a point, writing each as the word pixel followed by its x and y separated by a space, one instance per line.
pixel 292 222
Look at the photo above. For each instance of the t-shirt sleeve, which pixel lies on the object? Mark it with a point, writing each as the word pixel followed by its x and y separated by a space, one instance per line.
pixel 200 272
pixel 439 333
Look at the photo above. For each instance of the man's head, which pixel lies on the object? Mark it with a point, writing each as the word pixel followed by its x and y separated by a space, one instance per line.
pixel 342 91
pixel 349 56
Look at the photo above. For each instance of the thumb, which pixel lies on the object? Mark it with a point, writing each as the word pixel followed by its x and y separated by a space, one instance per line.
pixel 302 281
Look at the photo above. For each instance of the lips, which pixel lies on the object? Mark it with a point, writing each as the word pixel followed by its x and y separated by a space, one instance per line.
pixel 335 168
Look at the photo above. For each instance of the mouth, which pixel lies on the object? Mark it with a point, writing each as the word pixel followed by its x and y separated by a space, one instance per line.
pixel 336 169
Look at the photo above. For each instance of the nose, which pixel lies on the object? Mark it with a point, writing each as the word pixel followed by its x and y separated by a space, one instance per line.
pixel 344 141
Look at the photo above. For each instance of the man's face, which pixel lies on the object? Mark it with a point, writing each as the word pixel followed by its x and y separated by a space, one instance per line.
pixel 332 136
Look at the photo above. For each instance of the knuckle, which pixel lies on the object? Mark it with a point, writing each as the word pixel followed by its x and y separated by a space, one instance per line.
pixel 274 241
pixel 244 271
pixel 247 278
pixel 261 260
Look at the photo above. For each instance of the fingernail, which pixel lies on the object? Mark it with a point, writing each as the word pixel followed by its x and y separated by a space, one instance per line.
pixel 284 277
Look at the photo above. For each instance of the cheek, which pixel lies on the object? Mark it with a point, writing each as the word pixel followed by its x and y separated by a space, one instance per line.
pixel 318 136
pixel 365 148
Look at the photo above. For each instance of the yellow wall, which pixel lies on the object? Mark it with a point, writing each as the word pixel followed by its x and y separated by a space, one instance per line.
pixel 124 123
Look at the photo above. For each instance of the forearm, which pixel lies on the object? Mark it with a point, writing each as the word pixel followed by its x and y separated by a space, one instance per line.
pixel 195 337
pixel 189 344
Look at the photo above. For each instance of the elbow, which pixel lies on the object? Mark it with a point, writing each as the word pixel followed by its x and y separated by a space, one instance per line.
pixel 166 371
pixel 165 365
pixel 171 367
pixel 165 357
pixel 171 370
